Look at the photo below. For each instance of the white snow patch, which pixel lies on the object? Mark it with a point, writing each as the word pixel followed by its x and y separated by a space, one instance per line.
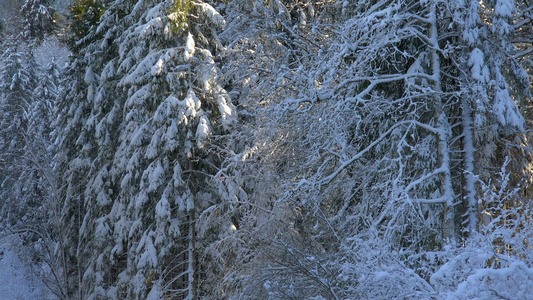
pixel 162 209
pixel 203 132
pixel 504 8
pixel 477 66
pixel 382 275
pixel 17 281
pixel 227 109
pixel 506 111
pixel 189 47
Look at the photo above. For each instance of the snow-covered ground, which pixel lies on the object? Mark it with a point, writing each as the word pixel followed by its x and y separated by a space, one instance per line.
pixel 17 279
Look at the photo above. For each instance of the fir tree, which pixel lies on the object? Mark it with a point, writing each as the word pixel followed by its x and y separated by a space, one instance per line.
pixel 17 81
pixel 38 19
pixel 150 108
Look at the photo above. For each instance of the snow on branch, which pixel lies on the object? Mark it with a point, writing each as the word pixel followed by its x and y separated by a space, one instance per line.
pixel 345 164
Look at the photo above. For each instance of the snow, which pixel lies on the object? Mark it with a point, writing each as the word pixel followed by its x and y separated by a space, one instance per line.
pixel 211 13
pixel 174 227
pixel 109 70
pixel 102 228
pixel 18 281
pixel 226 108
pixel 382 148
pixel 140 200
pixel 149 256
pixel 142 71
pixel 171 133
pixel 381 275
pixel 203 132
pixel 176 176
pixel 138 136
pixel 504 8
pixel 506 111
pixel 155 176
pixel 147 30
pixel 153 147
pixel 478 69
pixel 162 208
pixel 155 12
pixel 103 199
pixel 189 47
pixel 90 77
pixel 190 105
pixel 511 282
pixel 159 66
pixel 156 293
pixel 471 32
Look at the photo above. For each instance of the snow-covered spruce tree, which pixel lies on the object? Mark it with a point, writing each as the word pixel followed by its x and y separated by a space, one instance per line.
pixel 147 118
pixel 17 81
pixel 84 17
pixel 37 19
pixel 72 162
pixel 386 120
pixel 74 147
pixel 34 180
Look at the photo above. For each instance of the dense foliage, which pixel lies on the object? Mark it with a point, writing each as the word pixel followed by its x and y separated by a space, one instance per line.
pixel 275 149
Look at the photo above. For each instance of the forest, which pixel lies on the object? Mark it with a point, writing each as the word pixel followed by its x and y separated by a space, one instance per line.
pixel 269 149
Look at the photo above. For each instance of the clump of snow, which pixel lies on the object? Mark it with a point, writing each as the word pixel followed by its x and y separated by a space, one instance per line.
pixel 506 111
pixel 477 66
pixel 149 255
pixel 162 209
pixel 203 132
pixel 90 77
pixel 102 228
pixel 191 104
pixel 143 71
pixel 158 67
pixel 145 31
pixel 189 47
pixel 156 293
pixel 512 282
pixel 504 8
pixel 472 19
pixel 153 147
pixel 155 175
pixel 156 12
pixel 382 275
pixel 227 110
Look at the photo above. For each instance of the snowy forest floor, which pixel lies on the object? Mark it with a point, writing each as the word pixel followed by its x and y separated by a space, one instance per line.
pixel 18 279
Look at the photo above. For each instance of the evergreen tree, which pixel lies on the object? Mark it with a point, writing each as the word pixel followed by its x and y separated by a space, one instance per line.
pixel 38 19
pixel 17 81
pixel 147 123
pixel 84 17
